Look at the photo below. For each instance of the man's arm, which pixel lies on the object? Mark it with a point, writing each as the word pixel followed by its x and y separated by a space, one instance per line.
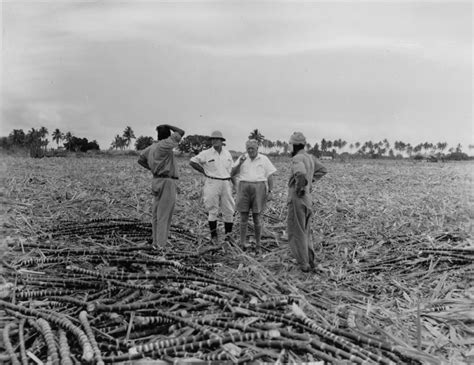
pixel 175 129
pixel 319 170
pixel 270 187
pixel 270 183
pixel 196 166
pixel 270 169
pixel 299 172
pixel 143 158
pixel 301 182
pixel 143 162
pixel 236 169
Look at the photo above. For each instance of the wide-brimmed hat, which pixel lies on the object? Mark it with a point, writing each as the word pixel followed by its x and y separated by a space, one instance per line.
pixel 297 138
pixel 217 135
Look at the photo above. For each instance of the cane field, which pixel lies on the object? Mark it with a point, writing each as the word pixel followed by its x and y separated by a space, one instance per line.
pixel 81 282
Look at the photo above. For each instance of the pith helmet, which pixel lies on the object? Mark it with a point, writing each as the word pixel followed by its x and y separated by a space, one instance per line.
pixel 217 134
pixel 297 138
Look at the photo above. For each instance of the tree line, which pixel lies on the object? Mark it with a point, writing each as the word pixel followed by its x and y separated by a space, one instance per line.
pixel 36 141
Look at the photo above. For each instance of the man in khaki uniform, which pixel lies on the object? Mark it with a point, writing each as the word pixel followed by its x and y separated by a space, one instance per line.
pixel 215 164
pixel 305 169
pixel 159 159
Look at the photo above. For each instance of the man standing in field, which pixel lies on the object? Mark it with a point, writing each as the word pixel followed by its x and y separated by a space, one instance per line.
pixel 305 169
pixel 255 174
pixel 215 164
pixel 159 159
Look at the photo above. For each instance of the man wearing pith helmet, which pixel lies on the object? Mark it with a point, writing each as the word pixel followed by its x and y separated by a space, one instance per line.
pixel 305 169
pixel 255 174
pixel 215 164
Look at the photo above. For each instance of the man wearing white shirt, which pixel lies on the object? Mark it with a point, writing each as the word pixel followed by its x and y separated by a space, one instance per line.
pixel 254 172
pixel 215 164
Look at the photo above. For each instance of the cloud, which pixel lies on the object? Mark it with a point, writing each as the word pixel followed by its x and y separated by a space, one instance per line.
pixel 329 68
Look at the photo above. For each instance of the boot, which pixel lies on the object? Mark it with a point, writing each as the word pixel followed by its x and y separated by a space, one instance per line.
pixel 228 227
pixel 213 228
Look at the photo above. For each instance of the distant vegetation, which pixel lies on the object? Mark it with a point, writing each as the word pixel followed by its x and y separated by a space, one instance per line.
pixel 35 141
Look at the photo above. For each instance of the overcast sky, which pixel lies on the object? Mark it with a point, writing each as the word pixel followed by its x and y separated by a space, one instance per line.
pixel 358 71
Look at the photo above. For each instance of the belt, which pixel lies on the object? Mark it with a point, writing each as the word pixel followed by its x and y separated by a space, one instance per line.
pixel 167 176
pixel 253 182
pixel 217 178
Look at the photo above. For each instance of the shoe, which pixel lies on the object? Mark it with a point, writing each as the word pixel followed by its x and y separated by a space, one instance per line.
pixel 306 268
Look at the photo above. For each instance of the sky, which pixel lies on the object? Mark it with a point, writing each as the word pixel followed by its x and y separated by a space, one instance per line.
pixel 358 70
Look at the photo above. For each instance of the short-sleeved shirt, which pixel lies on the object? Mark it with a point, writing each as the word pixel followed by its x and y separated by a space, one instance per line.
pixel 308 165
pixel 215 164
pixel 258 169
pixel 160 157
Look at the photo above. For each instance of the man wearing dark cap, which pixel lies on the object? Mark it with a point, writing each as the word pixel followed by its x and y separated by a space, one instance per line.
pixel 254 172
pixel 215 164
pixel 159 159
pixel 305 169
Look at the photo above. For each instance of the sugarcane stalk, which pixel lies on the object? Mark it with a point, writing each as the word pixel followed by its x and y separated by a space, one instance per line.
pixel 193 346
pixel 296 345
pixel 350 347
pixel 87 354
pixel 64 349
pixel 21 340
pixel 90 335
pixel 49 339
pixel 8 345
pixel 30 294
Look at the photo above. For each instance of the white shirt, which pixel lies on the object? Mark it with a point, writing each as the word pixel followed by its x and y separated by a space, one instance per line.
pixel 258 169
pixel 215 164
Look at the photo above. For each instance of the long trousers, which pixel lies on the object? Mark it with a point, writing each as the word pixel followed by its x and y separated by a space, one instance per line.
pixel 299 228
pixel 164 199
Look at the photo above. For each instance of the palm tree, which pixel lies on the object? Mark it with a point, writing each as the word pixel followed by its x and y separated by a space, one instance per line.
pixel 259 137
pixel 128 135
pixel 57 136
pixel 17 137
pixel 68 136
pixel 279 145
pixel 441 146
pixel 418 148
pixel 43 132
pixel 118 142
pixel 324 145
pixel 33 137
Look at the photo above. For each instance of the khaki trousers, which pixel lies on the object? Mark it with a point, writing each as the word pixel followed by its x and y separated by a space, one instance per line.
pixel 164 199
pixel 299 228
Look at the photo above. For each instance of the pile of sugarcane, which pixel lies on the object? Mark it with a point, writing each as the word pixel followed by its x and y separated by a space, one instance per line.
pixel 405 254
pixel 80 295
pixel 105 229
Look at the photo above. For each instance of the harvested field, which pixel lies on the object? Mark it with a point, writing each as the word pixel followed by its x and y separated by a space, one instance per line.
pixel 394 242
